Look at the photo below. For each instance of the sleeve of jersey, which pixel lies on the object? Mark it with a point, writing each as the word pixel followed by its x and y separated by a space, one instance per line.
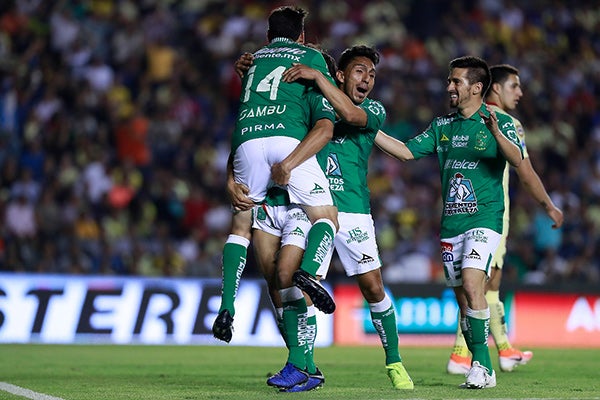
pixel 423 144
pixel 318 63
pixel 508 129
pixel 375 115
pixel 319 107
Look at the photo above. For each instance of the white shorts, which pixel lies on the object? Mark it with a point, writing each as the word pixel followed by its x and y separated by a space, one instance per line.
pixel 473 249
pixel 290 223
pixel 252 163
pixel 355 244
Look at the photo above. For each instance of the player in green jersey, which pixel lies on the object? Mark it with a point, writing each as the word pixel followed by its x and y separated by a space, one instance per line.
pixel 345 160
pixel 473 145
pixel 504 95
pixel 271 144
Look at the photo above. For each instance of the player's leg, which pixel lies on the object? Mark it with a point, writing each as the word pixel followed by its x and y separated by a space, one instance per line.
pixel 266 246
pixel 357 249
pixel 234 261
pixel 509 357
pixel 383 316
pixel 474 308
pixel 295 313
pixel 309 187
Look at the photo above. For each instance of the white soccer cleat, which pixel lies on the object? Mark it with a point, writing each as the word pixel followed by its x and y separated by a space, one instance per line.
pixel 479 377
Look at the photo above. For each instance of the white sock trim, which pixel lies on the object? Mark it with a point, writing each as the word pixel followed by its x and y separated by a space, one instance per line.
pixel 479 314
pixel 382 305
pixel 235 239
pixel 326 221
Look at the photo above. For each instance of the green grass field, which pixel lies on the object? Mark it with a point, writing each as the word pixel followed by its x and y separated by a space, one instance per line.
pixel 80 372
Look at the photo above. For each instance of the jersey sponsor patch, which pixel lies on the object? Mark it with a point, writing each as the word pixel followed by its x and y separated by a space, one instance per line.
pixel 446 250
pixel 357 235
pixel 461 197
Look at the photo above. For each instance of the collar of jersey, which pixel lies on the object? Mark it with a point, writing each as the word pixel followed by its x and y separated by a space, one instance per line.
pixel 282 39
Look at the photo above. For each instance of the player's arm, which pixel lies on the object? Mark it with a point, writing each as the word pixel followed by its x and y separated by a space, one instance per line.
pixel 237 191
pixel 534 186
pixel 512 151
pixel 315 140
pixel 243 64
pixel 393 146
pixel 346 109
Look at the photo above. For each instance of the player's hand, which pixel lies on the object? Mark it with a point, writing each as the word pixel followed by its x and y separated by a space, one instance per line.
pixel 243 64
pixel 238 194
pixel 557 216
pixel 299 71
pixel 491 121
pixel 280 174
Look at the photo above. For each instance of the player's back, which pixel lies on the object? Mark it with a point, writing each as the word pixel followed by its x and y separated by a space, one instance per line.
pixel 268 106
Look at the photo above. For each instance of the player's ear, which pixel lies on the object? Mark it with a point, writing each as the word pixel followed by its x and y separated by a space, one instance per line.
pixel 339 75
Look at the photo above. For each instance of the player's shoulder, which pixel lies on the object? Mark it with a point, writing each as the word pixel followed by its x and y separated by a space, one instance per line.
pixel 373 106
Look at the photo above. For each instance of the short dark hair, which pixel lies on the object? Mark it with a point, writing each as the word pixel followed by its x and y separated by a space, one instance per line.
pixel 357 51
pixel 501 72
pixel 287 22
pixel 478 70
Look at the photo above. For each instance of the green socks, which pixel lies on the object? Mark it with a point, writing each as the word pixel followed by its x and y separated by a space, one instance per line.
pixel 476 335
pixel 311 335
pixel 383 317
pixel 234 261
pixel 319 244
pixel 295 315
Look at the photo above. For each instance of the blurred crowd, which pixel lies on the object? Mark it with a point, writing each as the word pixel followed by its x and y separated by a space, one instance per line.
pixel 115 118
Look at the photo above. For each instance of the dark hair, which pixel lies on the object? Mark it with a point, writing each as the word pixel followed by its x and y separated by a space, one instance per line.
pixel 478 70
pixel 287 22
pixel 329 60
pixel 357 51
pixel 501 72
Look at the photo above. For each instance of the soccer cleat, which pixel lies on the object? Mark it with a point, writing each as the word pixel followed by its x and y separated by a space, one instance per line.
pixel 479 377
pixel 458 365
pixel 399 377
pixel 315 381
pixel 289 376
pixel 223 326
pixel 317 293
pixel 512 358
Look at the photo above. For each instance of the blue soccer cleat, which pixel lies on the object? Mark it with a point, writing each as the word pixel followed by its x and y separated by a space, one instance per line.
pixel 315 381
pixel 289 376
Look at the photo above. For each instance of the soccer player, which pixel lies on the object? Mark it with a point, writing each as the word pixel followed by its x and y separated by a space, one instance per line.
pixel 503 96
pixel 345 160
pixel 270 145
pixel 473 145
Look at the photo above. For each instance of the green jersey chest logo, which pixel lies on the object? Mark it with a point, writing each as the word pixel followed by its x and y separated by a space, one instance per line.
pixel 460 198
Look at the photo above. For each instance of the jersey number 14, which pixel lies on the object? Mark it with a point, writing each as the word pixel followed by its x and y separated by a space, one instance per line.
pixel 269 83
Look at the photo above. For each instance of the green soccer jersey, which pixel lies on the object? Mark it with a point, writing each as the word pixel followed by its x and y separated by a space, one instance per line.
pixel 471 167
pixel 345 160
pixel 270 107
